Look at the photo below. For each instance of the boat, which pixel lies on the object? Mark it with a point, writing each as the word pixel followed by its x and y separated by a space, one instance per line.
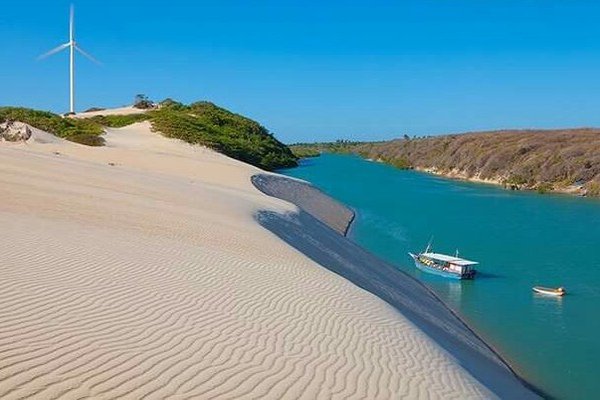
pixel 550 291
pixel 444 265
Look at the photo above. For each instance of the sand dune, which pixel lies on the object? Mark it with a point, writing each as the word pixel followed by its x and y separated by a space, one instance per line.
pixel 110 111
pixel 138 270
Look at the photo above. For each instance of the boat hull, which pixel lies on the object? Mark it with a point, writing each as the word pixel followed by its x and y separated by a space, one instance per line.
pixel 438 272
pixel 549 291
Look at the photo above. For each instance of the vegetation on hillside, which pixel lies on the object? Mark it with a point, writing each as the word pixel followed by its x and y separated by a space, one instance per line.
pixel 76 130
pixel 142 101
pixel 304 150
pixel 119 121
pixel 231 134
pixel 94 109
pixel 542 160
pixel 199 123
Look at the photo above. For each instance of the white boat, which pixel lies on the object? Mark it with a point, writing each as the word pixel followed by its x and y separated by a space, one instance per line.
pixel 444 265
pixel 550 291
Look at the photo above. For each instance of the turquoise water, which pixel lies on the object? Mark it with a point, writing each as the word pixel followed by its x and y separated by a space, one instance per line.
pixel 521 240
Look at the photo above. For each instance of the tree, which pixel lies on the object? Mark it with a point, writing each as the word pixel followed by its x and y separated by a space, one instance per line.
pixel 142 101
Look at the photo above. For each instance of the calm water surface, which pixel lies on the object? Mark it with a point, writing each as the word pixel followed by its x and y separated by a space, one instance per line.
pixel 520 239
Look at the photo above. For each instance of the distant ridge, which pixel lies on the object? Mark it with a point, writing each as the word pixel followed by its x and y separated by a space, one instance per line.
pixel 560 160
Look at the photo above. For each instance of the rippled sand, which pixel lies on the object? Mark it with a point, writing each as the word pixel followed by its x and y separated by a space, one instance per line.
pixel 138 270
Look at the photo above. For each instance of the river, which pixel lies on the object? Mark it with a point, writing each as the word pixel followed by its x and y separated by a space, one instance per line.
pixel 521 239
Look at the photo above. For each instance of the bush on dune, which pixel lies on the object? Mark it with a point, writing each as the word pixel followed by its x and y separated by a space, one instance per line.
pixel 87 139
pixel 206 124
pixel 119 121
pixel 142 102
pixel 200 123
pixel 172 104
pixel 94 109
pixel 231 134
pixel 76 130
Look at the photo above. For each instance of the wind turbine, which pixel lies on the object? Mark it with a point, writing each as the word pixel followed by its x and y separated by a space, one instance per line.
pixel 72 45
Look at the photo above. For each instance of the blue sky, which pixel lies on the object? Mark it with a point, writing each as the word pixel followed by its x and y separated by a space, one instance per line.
pixel 320 70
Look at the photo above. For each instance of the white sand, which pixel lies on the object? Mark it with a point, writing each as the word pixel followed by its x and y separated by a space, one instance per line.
pixel 152 279
pixel 110 111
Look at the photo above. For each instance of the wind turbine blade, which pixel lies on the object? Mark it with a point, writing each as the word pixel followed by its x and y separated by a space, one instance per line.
pixel 87 55
pixel 54 51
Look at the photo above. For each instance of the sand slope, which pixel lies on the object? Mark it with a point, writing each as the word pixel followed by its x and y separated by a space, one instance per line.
pixel 150 278
pixel 110 111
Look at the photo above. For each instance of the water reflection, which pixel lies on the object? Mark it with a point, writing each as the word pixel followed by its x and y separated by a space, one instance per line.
pixel 550 309
pixel 487 275
pixel 451 290
pixel 546 302
pixel 454 291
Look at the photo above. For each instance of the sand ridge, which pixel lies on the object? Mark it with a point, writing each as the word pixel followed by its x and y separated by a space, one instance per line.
pixel 125 110
pixel 137 270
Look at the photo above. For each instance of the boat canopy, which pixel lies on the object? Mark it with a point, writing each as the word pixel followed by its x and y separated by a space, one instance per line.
pixel 449 259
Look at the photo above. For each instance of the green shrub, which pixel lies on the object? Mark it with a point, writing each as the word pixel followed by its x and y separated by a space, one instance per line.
pixel 172 104
pixel 87 139
pixel 92 109
pixel 515 179
pixel 544 187
pixel 76 130
pixel 199 123
pixel 304 151
pixel 315 149
pixel 119 121
pixel 401 163
pixel 142 101
pixel 231 134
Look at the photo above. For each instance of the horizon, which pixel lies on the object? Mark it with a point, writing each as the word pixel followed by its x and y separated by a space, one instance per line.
pixel 321 72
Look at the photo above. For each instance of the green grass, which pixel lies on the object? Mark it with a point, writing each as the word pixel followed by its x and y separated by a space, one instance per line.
pixel 544 187
pixel 76 130
pixel 304 151
pixel 516 180
pixel 200 123
pixel 206 124
pixel 231 134
pixel 119 121
pixel 401 163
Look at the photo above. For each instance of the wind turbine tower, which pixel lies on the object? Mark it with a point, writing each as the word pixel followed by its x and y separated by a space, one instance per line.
pixel 72 45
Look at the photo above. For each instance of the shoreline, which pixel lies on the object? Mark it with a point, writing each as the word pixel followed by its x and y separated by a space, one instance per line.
pixel 458 175
pixel 302 221
pixel 572 190
pixel 311 199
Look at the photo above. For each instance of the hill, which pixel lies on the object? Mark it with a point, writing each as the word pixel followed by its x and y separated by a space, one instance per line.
pixel 76 130
pixel 545 160
pixel 200 123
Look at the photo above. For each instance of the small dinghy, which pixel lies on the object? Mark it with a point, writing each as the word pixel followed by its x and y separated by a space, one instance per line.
pixel 550 291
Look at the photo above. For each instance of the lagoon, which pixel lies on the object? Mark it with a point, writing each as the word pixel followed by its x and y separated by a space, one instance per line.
pixel 521 239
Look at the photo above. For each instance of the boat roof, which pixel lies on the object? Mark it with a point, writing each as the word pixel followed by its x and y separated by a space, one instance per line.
pixel 449 259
